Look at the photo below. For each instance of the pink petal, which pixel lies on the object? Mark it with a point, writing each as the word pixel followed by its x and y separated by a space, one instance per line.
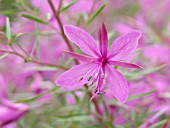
pixel 10 112
pixel 81 57
pixel 124 64
pixel 83 39
pixel 124 45
pixel 77 76
pixel 103 40
pixel 117 84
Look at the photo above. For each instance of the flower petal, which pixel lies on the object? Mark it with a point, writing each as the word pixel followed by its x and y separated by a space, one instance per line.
pixel 10 112
pixel 103 40
pixel 123 46
pixel 77 76
pixel 81 57
pixel 124 64
pixel 117 84
pixel 83 39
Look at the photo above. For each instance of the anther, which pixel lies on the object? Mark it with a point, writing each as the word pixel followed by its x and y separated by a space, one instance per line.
pixel 98 93
pixel 96 90
pixel 89 78
pixel 80 79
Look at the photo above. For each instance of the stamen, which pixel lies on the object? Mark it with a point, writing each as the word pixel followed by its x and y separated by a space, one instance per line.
pixel 80 79
pixel 93 81
pixel 101 93
pixel 91 71
pixel 95 91
pixel 90 77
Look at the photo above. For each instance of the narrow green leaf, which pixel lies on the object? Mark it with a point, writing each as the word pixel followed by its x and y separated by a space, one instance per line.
pixel 37 44
pixel 33 49
pixel 37 48
pixel 134 97
pixel 16 37
pixel 69 61
pixel 107 121
pixel 54 89
pixel 159 124
pixel 153 70
pixel 116 103
pixel 34 98
pixel 77 117
pixel 145 72
pixel 10 12
pixel 95 14
pixel 65 8
pixel 105 109
pixel 80 19
pixel 43 68
pixel 75 97
pixel 34 18
pixel 3 56
pixel 8 28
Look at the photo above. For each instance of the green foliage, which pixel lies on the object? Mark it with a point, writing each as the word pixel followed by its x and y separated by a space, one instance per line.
pixel 95 14
pixel 8 29
pixel 4 56
pixel 134 97
pixel 73 109
pixel 62 115
pixel 144 72
pixel 158 124
pixel 37 45
pixel 10 12
pixel 43 68
pixel 66 7
pixel 38 20
pixel 16 37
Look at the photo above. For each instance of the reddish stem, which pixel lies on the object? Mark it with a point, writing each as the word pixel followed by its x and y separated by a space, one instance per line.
pixel 56 14
pixel 57 17
pixel 34 61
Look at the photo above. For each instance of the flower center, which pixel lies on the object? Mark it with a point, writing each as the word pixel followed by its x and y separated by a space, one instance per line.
pixel 103 61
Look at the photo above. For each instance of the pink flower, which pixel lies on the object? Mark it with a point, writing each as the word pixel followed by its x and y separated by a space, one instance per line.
pixel 157 53
pixel 11 112
pixel 97 67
